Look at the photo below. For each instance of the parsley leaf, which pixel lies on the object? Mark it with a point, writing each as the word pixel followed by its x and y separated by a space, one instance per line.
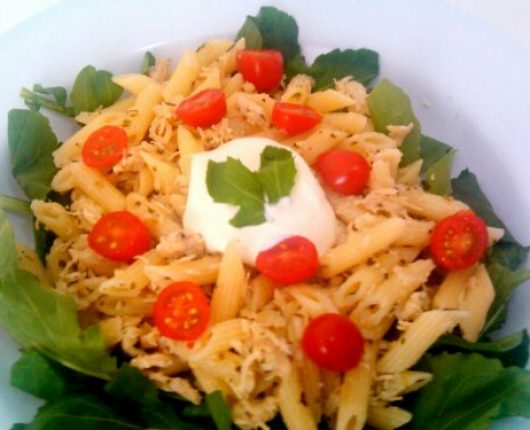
pixel 232 182
pixel 277 173
pixel 389 105
pixel 481 389
pixel 362 64
pixel 31 143
pixel 92 89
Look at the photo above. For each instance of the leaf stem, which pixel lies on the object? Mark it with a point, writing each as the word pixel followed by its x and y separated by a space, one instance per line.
pixel 12 204
pixel 38 100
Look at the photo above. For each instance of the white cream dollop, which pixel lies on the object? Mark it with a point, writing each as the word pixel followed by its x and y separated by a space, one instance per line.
pixel 306 212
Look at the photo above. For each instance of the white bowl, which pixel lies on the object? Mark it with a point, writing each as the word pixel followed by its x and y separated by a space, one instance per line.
pixel 469 85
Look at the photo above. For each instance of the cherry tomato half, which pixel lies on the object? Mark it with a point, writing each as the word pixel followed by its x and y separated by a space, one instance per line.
pixel 333 342
pixel 290 261
pixel 261 67
pixel 181 311
pixel 203 109
pixel 459 241
pixel 294 118
pixel 119 236
pixel 105 147
pixel 345 172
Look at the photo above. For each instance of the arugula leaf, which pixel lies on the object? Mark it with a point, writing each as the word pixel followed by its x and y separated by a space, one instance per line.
pixel 148 62
pixel 389 105
pixel 437 177
pixel 53 98
pixel 12 204
pixel 46 320
pixel 232 182
pixel 131 385
pixel 219 410
pixel 481 389
pixel 362 64
pixel 508 251
pixel 81 413
pixel 36 374
pixel 31 143
pixel 92 89
pixel 131 399
pixel 296 66
pixel 277 172
pixel 274 29
pixel 431 151
pixel 278 31
pixel 511 350
pixel 8 253
pixel 505 282
pixel 250 31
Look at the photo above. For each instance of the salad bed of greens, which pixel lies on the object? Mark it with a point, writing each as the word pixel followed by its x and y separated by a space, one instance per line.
pixel 85 386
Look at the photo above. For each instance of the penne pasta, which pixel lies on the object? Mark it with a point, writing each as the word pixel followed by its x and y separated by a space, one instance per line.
pixel 231 285
pixel 360 246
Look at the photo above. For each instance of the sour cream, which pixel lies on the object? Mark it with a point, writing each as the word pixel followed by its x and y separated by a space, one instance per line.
pixel 306 212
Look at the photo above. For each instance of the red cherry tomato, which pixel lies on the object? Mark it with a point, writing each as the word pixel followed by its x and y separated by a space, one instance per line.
pixel 119 236
pixel 105 147
pixel 262 67
pixel 345 172
pixel 203 109
pixel 294 118
pixel 181 311
pixel 333 342
pixel 290 261
pixel 459 241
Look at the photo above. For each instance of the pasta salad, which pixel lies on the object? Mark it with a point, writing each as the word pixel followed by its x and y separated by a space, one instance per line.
pixel 245 239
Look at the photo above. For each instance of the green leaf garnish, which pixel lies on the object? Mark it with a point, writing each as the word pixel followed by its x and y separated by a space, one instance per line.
pixel 505 281
pixel 148 62
pixel 276 173
pixel 219 410
pixel 52 98
pixel 12 204
pixel 232 182
pixel 279 30
pixel 508 251
pixel 250 31
pixel 437 178
pixel 31 143
pixel 389 105
pixel 92 89
pixel 480 389
pixel 44 319
pixel 511 350
pixel 362 64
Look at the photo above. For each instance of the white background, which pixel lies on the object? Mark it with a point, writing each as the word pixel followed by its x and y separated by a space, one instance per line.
pixel 511 17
